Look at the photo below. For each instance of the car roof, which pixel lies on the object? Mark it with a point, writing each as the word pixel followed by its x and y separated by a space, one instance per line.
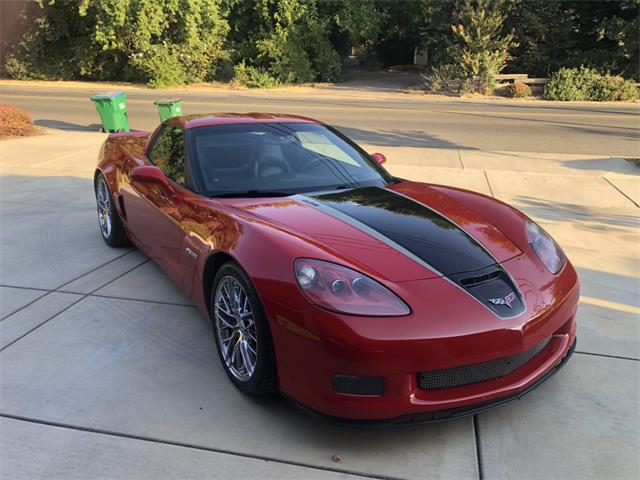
pixel 202 120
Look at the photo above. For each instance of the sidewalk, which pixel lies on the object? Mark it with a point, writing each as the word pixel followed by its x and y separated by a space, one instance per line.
pixel 107 371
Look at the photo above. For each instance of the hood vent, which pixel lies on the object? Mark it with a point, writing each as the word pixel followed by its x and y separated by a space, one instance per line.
pixel 470 281
pixel 494 288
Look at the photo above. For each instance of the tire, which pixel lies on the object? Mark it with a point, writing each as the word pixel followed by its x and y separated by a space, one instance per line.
pixel 109 223
pixel 233 330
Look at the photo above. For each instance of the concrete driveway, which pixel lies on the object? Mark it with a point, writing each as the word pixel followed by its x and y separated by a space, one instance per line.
pixel 107 371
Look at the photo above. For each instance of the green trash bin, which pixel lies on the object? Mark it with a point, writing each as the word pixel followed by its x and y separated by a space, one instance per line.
pixel 169 108
pixel 112 108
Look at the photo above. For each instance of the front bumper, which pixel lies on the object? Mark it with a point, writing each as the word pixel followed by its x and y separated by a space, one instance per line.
pixel 313 345
pixel 440 415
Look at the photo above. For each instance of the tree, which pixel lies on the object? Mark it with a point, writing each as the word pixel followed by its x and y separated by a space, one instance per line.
pixel 606 35
pixel 161 43
pixel 363 20
pixel 401 29
pixel 481 48
pixel 295 44
pixel 384 31
pixel 569 33
pixel 166 42
pixel 266 42
pixel 57 46
pixel 285 39
pixel 436 34
pixel 543 29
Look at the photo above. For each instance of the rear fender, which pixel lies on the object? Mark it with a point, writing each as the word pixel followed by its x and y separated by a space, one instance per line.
pixel 113 155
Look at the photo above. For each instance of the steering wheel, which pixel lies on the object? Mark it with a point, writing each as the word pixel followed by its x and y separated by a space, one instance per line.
pixel 272 161
pixel 315 161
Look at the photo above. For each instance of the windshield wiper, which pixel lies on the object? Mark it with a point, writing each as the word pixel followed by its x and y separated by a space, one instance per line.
pixel 252 194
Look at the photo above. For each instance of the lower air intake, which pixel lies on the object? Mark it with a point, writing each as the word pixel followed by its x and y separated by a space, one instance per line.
pixel 478 372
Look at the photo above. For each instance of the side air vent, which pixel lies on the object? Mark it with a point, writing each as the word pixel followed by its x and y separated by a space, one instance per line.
pixel 469 281
pixel 121 205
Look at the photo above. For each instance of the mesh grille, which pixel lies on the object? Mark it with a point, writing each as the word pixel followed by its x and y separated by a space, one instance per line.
pixel 478 372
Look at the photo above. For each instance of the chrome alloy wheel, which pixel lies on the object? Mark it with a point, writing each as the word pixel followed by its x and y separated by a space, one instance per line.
pixel 235 328
pixel 104 208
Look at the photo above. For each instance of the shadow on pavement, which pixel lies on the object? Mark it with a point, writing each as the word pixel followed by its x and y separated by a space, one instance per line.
pixel 590 218
pixel 590 164
pixel 60 125
pixel 564 108
pixel 609 287
pixel 581 127
pixel 395 138
pixel 361 78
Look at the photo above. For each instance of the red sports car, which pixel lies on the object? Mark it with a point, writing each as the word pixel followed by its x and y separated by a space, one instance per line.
pixel 358 295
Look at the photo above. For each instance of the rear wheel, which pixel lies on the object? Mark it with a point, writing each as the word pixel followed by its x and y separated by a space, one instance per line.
pixel 111 227
pixel 242 332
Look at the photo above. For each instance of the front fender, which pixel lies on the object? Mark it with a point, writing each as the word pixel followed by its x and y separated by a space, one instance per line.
pixel 510 221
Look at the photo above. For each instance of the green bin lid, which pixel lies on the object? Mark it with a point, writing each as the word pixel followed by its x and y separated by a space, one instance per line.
pixel 167 101
pixel 107 95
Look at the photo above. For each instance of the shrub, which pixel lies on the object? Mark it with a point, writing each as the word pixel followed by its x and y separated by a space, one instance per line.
pixel 571 84
pixel 159 68
pixel 480 72
pixel 610 88
pixel 518 90
pixel 587 84
pixel 443 78
pixel 254 77
pixel 15 122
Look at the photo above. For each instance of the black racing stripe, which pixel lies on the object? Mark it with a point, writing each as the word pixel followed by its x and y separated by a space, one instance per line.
pixel 425 233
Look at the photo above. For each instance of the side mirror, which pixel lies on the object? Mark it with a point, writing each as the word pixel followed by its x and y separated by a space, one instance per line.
pixel 151 174
pixel 378 157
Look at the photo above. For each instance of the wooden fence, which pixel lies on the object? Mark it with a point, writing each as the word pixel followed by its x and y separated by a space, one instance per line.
pixel 507 78
pixel 504 79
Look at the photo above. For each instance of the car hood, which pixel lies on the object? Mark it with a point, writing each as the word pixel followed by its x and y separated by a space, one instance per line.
pixel 408 231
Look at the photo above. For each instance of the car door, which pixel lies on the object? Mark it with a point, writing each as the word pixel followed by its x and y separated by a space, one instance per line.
pixel 154 214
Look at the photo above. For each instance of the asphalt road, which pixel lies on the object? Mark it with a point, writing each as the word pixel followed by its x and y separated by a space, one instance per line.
pixel 375 117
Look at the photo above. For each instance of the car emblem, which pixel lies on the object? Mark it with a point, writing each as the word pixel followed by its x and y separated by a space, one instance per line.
pixel 508 300
pixel 191 252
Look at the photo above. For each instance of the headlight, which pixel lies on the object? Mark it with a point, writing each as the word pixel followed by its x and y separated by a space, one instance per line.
pixel 547 250
pixel 343 290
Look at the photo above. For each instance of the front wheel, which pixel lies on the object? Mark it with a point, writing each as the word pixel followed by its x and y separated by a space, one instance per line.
pixel 242 332
pixel 109 222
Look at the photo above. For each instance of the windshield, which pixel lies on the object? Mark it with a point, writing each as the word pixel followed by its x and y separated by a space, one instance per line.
pixel 278 158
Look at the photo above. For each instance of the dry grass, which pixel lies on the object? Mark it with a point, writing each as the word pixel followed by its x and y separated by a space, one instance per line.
pixel 15 122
